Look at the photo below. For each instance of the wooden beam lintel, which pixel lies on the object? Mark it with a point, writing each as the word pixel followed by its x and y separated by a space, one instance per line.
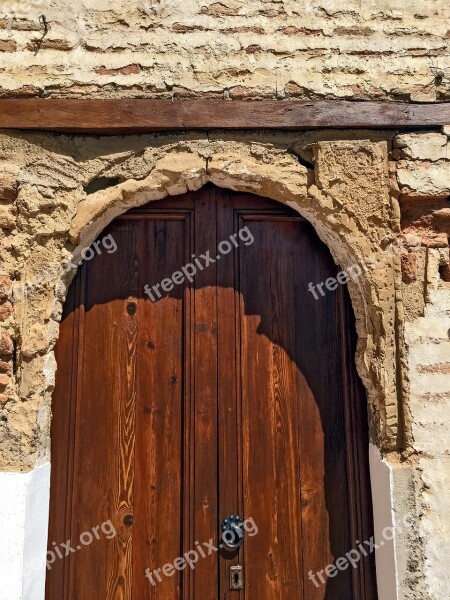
pixel 121 116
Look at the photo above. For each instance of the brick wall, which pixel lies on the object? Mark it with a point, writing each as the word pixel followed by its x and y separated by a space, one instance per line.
pixel 423 177
pixel 359 49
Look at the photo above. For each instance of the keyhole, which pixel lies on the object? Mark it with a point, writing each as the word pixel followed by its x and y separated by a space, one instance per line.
pixel 236 578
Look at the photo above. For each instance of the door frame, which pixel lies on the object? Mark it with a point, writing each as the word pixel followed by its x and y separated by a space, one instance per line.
pixel 245 209
pixel 238 169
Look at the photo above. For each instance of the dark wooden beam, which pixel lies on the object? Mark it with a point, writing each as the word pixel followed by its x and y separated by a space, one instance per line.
pixel 133 116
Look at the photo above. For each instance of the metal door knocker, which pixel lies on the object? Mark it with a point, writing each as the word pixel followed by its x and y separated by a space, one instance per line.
pixel 233 532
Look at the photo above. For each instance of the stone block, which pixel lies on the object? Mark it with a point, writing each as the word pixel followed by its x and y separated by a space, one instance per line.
pixel 424 179
pixel 423 146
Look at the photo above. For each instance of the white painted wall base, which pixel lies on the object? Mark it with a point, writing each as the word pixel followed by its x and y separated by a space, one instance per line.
pixel 380 476
pixel 394 507
pixel 24 502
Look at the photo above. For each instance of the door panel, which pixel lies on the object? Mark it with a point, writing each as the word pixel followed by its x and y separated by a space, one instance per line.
pixel 234 393
pixel 270 430
pixel 161 446
pixel 204 482
pixel 101 486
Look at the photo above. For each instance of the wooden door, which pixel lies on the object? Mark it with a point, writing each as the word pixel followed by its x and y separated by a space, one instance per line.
pixel 230 390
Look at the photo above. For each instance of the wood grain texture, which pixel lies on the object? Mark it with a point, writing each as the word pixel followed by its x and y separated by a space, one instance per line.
pixel 236 393
pixel 269 414
pixel 229 423
pixel 160 448
pixel 111 117
pixel 62 433
pixel 205 508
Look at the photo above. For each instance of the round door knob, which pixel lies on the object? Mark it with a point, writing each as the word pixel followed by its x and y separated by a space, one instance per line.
pixel 232 532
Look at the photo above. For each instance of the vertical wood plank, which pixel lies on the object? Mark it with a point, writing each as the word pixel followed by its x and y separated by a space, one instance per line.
pixel 205 526
pixel 325 518
pixel 357 444
pixel 62 436
pixel 159 413
pixel 270 427
pixel 103 451
pixel 120 580
pixel 229 417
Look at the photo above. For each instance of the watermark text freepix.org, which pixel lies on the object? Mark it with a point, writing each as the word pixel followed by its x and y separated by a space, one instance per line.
pixel 86 538
pixel 88 252
pixel 355 271
pixel 190 269
pixel 64 549
pixel 189 559
pixel 46 275
pixel 353 556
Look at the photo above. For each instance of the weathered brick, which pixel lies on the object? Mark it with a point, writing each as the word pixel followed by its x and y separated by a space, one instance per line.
pixel 432 239
pixel 8 188
pixel 5 310
pixel 6 345
pixel 181 28
pixel 253 49
pixel 5 287
pixel 128 70
pixel 217 9
pixel 244 29
pixel 409 267
pixel 7 218
pixel 5 380
pixel 351 31
pixel 295 90
pixel 8 45
pixel 245 93
pixel 5 367
pixel 19 23
pixel 38 44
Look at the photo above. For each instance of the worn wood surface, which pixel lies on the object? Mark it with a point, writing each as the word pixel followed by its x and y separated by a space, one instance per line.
pixel 140 115
pixel 236 393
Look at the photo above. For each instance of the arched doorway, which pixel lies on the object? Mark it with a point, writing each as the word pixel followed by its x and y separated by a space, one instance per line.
pixel 199 377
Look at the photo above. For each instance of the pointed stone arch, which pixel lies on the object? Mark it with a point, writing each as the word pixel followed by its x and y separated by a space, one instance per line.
pixel 345 197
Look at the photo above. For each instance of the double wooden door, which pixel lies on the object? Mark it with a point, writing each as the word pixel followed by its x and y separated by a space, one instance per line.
pixel 233 393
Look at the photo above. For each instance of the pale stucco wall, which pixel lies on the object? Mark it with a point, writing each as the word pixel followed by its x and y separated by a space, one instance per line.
pixel 357 49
